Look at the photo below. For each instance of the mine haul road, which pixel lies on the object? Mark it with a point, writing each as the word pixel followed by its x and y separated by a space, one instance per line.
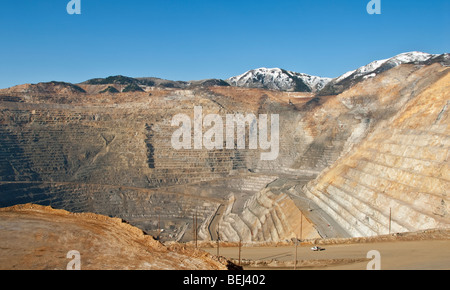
pixel 397 255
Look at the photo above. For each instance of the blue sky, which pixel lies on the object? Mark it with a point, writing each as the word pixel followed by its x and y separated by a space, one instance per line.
pixel 198 39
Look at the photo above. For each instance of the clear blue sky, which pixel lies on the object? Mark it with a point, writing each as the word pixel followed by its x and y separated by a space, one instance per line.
pixel 198 39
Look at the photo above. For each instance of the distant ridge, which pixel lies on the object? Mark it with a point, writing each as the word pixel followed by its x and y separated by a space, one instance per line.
pixel 349 79
pixel 153 82
pixel 264 78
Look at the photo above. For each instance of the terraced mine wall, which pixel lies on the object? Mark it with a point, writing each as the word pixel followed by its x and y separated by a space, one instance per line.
pixel 117 159
pixel 112 155
pixel 396 180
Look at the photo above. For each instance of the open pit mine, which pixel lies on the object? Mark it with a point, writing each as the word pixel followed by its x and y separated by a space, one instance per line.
pixel 362 155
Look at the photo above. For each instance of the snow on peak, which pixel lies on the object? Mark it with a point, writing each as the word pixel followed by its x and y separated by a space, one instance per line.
pixel 278 79
pixel 412 56
pixel 406 57
pixel 284 80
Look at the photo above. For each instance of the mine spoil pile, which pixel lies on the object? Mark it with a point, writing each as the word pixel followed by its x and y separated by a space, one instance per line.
pixel 368 161
pixel 38 237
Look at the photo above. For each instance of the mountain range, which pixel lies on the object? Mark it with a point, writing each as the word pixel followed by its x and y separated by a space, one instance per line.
pixel 347 80
pixel 270 78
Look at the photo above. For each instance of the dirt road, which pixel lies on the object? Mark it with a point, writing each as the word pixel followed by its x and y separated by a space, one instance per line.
pixel 399 255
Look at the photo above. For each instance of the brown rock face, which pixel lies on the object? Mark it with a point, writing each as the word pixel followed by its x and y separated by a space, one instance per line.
pixel 397 178
pixel 36 237
pixel 379 146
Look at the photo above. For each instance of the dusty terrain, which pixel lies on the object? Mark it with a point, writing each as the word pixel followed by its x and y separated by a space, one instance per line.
pixel 428 250
pixel 34 237
pixel 37 237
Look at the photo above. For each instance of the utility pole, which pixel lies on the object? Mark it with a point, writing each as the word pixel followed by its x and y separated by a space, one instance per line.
pixel 196 230
pixel 159 225
pixel 193 227
pixel 218 244
pixel 240 245
pixel 390 219
pixel 296 245
pixel 301 227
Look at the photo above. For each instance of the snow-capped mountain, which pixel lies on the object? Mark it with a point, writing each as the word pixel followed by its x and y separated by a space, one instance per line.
pixel 406 57
pixel 284 80
pixel 374 68
pixel 278 79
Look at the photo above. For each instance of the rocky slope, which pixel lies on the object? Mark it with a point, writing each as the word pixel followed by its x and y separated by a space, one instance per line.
pixel 270 215
pixel 40 238
pixel 397 178
pixel 347 80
